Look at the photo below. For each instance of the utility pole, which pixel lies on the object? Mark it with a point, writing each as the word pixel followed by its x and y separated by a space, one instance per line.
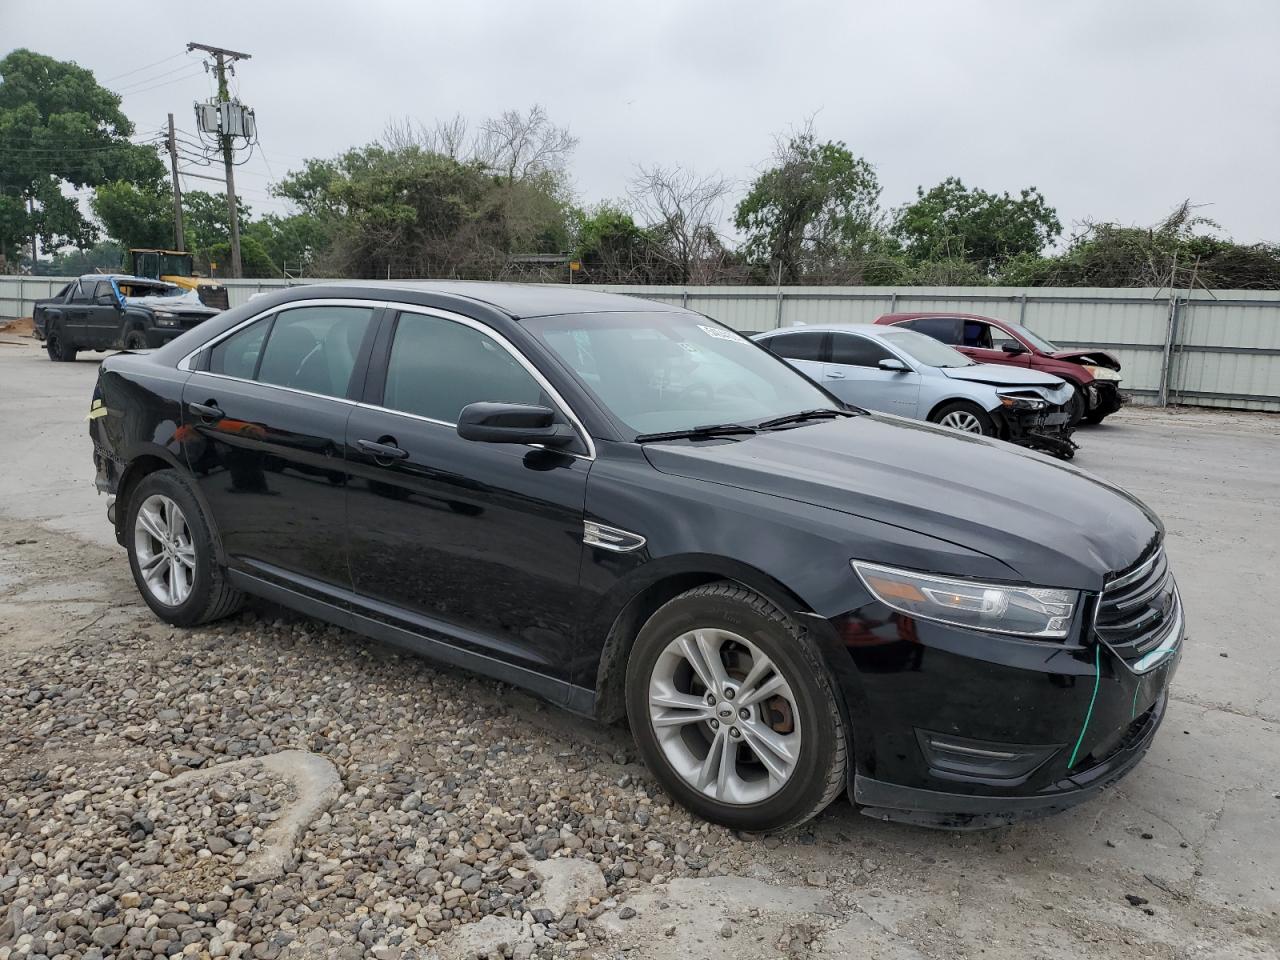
pixel 179 239
pixel 222 57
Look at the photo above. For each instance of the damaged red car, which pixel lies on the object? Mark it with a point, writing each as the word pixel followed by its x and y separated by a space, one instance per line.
pixel 1095 374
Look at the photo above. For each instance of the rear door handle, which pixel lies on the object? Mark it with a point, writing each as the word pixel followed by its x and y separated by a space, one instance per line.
pixel 382 451
pixel 210 411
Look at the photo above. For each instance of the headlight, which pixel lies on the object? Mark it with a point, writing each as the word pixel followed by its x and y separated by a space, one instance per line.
pixel 166 319
pixel 1103 373
pixel 997 607
pixel 1022 403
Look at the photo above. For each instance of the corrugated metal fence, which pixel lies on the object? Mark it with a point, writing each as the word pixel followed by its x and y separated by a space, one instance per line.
pixel 1211 349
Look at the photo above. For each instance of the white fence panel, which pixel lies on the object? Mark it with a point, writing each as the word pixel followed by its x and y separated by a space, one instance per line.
pixel 1223 347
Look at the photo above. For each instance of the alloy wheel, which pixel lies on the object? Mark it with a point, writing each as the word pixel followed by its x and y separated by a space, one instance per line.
pixel 725 716
pixel 961 420
pixel 165 553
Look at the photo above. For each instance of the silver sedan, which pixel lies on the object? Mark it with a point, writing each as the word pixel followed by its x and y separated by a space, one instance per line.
pixel 900 371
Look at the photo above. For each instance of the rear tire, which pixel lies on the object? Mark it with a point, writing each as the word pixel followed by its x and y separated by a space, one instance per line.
pixel 965 417
pixel 172 556
pixel 768 750
pixel 56 344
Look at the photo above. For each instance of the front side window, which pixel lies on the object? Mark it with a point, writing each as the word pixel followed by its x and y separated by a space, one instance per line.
pixel 855 351
pixel 437 367
pixel 798 346
pixel 84 292
pixel 1037 341
pixel 943 329
pixel 977 334
pixel 674 371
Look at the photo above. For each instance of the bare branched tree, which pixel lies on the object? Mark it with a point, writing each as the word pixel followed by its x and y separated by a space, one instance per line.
pixel 520 146
pixel 446 137
pixel 685 207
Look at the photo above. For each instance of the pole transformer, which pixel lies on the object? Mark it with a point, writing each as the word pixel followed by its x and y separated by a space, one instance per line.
pixel 222 57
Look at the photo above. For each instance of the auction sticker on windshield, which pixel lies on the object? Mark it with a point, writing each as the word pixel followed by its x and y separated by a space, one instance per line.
pixel 721 334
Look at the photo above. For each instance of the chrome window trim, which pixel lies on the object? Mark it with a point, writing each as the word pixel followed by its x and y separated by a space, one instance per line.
pixel 185 363
pixel 276 386
pixel 567 411
pixel 557 400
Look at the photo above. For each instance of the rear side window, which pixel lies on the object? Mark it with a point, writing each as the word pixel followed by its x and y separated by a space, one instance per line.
pixel 855 351
pixel 237 356
pixel 945 329
pixel 307 348
pixel 314 348
pixel 798 346
pixel 437 367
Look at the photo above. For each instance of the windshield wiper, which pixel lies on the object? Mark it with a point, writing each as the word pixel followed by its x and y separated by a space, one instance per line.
pixel 698 433
pixel 822 413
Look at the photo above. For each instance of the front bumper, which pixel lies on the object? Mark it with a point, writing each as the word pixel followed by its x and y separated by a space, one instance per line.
pixel 1062 721
pixel 1103 397
pixel 1048 430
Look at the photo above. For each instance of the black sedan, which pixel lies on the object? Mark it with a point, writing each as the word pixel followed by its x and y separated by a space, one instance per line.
pixel 635 512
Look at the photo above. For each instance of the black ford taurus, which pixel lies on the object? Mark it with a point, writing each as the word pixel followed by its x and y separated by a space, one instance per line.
pixel 635 512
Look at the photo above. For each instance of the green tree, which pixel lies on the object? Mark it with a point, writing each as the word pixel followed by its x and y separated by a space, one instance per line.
pixel 59 129
pixel 292 242
pixel 613 248
pixel 408 211
pixel 204 219
pixel 815 205
pixel 135 215
pixel 953 222
pixel 254 260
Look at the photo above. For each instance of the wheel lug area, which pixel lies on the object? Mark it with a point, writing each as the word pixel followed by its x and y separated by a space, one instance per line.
pixel 744 714
pixel 735 733
pixel 711 699
pixel 729 693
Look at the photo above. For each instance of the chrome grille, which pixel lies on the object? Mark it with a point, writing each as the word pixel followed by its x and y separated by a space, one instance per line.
pixel 1140 614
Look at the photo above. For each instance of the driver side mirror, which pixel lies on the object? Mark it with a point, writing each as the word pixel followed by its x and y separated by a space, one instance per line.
pixel 893 365
pixel 1013 348
pixel 489 422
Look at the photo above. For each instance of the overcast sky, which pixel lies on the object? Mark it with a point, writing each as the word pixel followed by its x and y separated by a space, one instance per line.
pixel 1115 109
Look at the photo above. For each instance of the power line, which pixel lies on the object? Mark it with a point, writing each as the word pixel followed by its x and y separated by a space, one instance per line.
pixel 140 69
pixel 143 81
pixel 165 83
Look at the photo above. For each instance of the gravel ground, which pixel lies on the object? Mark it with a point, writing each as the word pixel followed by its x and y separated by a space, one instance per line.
pixel 448 798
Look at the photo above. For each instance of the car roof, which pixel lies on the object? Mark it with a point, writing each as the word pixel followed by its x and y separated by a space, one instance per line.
pixel 899 317
pixel 120 276
pixel 517 300
pixel 865 328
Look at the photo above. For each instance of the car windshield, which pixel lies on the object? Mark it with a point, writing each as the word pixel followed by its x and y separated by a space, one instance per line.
pixel 924 349
pixel 1037 341
pixel 659 372
pixel 140 288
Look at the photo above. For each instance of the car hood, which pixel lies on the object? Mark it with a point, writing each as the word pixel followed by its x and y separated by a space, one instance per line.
pixel 1051 524
pixel 1098 358
pixel 1002 376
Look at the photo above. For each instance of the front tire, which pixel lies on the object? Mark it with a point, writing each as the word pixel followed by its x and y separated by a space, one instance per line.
pixel 734 711
pixel 56 344
pixel 172 556
pixel 135 339
pixel 964 416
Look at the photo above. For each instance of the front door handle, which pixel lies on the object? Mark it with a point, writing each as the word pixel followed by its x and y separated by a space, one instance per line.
pixel 210 411
pixel 383 451
pixel 835 375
